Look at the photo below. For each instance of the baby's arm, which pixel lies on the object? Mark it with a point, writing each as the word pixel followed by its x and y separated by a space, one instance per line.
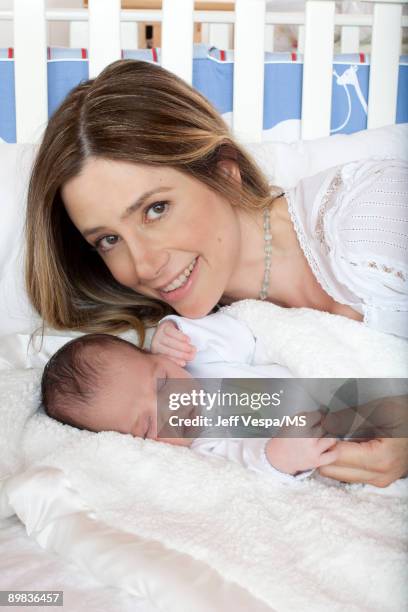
pixel 292 455
pixel 169 340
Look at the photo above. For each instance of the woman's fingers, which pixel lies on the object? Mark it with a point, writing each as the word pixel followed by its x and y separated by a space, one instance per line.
pixel 347 474
pixel 384 417
pixel 359 455
pixel 378 462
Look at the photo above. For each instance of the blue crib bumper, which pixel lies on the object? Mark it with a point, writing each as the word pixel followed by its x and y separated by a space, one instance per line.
pixel 213 71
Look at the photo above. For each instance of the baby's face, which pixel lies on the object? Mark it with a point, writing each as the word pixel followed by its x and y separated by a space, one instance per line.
pixel 126 401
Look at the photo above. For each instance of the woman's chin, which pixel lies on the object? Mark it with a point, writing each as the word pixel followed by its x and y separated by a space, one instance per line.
pixel 197 310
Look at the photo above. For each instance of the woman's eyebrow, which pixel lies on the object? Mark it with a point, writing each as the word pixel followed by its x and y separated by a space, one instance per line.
pixel 129 210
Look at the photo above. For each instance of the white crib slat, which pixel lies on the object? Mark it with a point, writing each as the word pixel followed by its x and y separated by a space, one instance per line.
pixel 129 35
pixel 177 37
pixel 30 69
pixel 104 34
pixel 247 119
pixel 269 38
pixel 78 34
pixel 317 69
pixel 205 33
pixel 350 39
pixel 383 84
pixel 301 39
pixel 221 35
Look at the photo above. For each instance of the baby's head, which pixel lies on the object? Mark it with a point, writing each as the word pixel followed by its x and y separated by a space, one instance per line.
pixel 102 383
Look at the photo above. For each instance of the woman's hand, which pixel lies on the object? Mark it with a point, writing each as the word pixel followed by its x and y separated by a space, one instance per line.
pixel 170 341
pixel 377 462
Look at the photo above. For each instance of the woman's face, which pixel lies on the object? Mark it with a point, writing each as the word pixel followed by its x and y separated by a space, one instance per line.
pixel 160 232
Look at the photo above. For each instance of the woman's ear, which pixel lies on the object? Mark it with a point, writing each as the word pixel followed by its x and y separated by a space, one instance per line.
pixel 230 168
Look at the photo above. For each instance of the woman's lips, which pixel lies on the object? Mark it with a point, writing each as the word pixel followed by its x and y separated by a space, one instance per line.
pixel 181 292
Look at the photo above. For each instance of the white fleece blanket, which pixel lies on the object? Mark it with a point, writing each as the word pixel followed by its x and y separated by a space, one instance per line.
pixel 197 533
pixel 314 344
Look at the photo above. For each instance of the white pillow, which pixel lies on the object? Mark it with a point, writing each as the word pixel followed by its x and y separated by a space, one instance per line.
pixel 284 164
pixel 16 314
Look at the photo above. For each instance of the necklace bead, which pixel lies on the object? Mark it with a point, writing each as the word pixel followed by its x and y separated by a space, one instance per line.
pixel 267 250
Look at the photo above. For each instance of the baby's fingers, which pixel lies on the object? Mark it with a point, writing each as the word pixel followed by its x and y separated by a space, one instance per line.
pixel 328 457
pixel 179 362
pixel 180 357
pixel 174 332
pixel 325 443
pixel 179 345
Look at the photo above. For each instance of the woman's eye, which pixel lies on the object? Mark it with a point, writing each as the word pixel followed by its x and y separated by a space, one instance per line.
pixel 152 213
pixel 106 243
pixel 156 210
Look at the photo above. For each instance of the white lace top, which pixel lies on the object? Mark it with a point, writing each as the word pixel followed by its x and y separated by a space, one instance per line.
pixel 352 224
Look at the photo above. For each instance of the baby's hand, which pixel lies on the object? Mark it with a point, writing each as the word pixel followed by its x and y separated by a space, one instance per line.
pixel 291 455
pixel 169 340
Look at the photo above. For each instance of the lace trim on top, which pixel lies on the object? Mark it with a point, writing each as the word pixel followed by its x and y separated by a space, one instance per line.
pixel 334 185
pixel 305 246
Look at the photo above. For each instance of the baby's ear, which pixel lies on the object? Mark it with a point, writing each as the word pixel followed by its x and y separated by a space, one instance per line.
pixel 230 168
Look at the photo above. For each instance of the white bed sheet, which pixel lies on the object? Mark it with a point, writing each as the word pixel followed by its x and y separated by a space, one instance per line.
pixel 26 566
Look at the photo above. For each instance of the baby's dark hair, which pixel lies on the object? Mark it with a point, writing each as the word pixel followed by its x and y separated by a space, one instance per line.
pixel 74 374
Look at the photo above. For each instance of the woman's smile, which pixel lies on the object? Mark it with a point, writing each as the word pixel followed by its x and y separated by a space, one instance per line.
pixel 179 287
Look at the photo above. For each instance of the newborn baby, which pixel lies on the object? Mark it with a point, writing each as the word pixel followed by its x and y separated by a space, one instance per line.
pixel 101 382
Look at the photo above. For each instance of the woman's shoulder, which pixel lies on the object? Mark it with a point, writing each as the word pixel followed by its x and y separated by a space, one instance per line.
pixel 365 218
pixel 361 207
pixel 352 222
pixel 350 176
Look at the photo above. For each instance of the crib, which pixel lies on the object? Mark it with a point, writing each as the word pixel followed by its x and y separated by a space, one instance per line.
pixel 108 27
pixel 237 44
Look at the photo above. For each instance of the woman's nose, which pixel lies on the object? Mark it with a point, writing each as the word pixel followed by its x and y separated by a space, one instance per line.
pixel 148 261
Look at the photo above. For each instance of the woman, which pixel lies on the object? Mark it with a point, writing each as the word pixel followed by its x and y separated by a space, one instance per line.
pixel 141 202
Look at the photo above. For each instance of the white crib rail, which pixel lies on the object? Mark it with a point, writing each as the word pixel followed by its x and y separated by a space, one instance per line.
pixel 383 84
pixel 251 22
pixel 317 69
pixel 249 70
pixel 30 69
pixel 177 37
pixel 104 34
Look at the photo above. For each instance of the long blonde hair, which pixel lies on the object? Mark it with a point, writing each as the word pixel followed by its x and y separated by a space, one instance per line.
pixel 136 112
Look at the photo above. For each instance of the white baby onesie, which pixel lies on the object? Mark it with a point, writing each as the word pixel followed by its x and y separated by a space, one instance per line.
pixel 248 452
pixel 226 348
